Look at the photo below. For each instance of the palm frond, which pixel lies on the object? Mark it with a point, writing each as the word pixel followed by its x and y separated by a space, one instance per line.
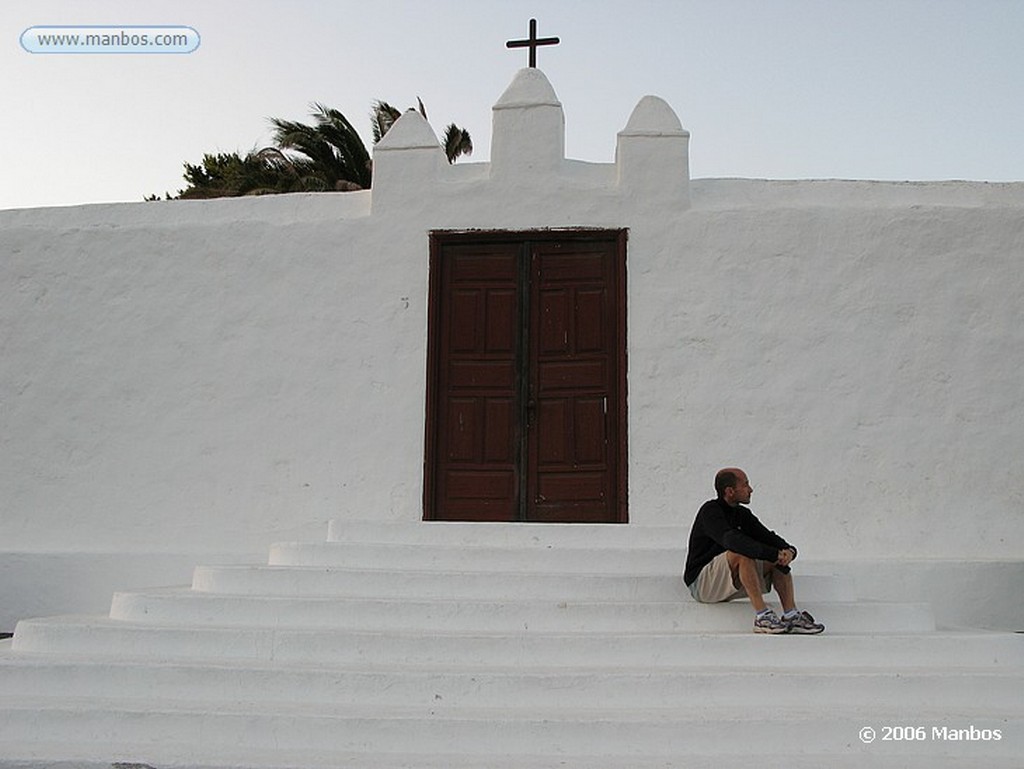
pixel 382 117
pixel 457 142
pixel 332 145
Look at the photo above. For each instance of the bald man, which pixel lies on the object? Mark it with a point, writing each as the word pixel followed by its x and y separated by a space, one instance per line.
pixel 732 555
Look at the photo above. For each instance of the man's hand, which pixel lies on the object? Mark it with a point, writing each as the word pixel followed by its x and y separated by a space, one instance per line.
pixel 785 557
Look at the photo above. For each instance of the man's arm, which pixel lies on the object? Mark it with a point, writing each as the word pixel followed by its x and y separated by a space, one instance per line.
pixel 725 533
pixel 758 531
pixel 738 542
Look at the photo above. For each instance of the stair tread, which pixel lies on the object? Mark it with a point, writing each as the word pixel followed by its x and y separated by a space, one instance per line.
pixel 105 622
pixel 702 713
pixel 684 604
pixel 299 759
pixel 47 660
pixel 490 650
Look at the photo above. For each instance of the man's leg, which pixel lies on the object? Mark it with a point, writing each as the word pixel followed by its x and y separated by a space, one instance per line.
pixel 744 571
pixel 783 584
pixel 745 574
pixel 799 621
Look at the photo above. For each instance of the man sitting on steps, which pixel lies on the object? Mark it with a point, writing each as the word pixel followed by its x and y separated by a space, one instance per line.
pixel 732 554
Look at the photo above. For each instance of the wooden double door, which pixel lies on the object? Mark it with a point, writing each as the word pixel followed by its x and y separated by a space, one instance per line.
pixel 526 385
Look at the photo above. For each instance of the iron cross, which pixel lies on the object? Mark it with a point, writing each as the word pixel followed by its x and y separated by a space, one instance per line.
pixel 532 42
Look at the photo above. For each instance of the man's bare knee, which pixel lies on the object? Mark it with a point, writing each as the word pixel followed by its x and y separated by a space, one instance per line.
pixel 736 559
pixel 737 563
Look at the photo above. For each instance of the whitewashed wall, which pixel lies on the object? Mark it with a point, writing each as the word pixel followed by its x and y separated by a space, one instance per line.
pixel 200 379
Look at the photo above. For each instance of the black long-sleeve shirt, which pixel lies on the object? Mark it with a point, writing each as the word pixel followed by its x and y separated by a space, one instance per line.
pixel 720 527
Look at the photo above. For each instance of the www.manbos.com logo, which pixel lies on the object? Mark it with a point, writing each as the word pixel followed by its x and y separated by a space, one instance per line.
pixel 97 39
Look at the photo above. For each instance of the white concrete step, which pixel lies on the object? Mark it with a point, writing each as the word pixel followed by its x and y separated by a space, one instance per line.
pixel 381 583
pixel 441 689
pixel 448 557
pixel 181 606
pixel 181 731
pixel 497 650
pixel 469 585
pixel 494 646
pixel 537 535
pixel 855 758
pixel 549 559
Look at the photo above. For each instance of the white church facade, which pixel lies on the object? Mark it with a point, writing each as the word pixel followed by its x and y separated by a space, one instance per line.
pixel 196 380
pixel 558 353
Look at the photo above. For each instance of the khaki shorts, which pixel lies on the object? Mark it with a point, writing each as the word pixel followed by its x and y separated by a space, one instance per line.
pixel 715 584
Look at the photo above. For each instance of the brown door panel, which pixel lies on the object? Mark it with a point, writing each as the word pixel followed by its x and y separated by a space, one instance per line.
pixel 526 378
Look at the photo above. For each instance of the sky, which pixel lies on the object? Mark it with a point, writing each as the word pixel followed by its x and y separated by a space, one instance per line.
pixel 779 89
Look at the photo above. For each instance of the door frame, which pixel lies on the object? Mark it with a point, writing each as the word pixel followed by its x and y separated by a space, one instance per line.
pixel 441 238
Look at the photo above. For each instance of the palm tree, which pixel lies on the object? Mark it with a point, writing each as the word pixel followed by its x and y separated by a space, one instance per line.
pixel 332 148
pixel 264 172
pixel 328 155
